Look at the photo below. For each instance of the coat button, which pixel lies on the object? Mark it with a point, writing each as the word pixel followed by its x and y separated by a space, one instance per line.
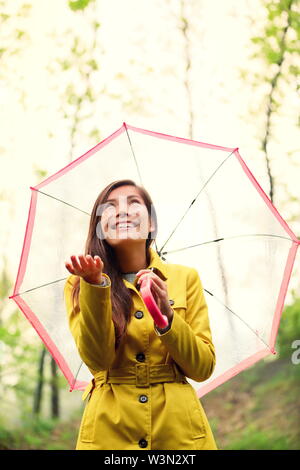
pixel 139 314
pixel 140 357
pixel 143 443
pixel 143 398
pixel 171 302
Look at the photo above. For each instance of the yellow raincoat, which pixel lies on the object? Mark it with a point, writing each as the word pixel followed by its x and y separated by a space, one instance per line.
pixel 139 397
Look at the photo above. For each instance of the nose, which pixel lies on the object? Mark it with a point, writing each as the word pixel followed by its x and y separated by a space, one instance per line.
pixel 122 215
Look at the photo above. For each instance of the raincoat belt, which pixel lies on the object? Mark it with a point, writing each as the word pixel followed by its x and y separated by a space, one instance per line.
pixel 140 375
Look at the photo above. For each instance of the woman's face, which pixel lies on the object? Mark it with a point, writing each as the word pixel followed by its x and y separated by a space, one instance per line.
pixel 124 216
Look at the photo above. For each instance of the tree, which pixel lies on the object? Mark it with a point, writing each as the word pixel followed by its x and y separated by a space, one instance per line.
pixel 277 48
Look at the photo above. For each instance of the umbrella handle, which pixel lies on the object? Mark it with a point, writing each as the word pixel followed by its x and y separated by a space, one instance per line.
pixel 145 289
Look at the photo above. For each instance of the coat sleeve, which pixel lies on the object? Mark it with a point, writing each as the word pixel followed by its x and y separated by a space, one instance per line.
pixel 189 341
pixel 91 325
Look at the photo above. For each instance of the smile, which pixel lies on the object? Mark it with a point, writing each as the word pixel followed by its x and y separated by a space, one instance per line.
pixel 123 225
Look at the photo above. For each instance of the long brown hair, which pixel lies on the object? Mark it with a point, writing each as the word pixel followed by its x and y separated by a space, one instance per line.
pixel 121 299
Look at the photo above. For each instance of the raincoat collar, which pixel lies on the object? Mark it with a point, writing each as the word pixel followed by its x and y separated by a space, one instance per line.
pixel 157 263
pixel 158 266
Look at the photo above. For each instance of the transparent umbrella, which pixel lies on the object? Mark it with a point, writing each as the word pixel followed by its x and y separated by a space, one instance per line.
pixel 212 215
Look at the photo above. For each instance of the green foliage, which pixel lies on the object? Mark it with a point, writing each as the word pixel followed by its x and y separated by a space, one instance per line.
pixel 93 64
pixel 95 135
pixel 280 31
pixel 34 434
pixel 9 338
pixel 24 10
pixel 17 354
pixel 40 433
pixel 276 49
pixel 5 284
pixel 79 4
pixel 65 64
pixel 258 408
pixel 36 430
pixel 40 173
pixel 20 34
pixel 82 62
pixel 294 70
pixel 254 439
pixel 289 330
pixel 4 17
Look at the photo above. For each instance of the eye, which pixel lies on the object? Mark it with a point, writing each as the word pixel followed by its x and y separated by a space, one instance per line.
pixel 105 207
pixel 108 204
pixel 136 200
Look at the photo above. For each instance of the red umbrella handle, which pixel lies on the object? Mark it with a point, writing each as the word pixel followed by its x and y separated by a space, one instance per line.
pixel 145 289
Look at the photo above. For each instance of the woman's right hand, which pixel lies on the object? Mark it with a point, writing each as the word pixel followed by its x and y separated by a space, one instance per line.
pixel 89 268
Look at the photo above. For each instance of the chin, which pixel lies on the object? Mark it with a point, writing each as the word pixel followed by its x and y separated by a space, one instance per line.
pixel 125 241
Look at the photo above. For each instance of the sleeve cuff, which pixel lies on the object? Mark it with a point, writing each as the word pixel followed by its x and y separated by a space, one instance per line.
pixel 104 283
pixel 174 332
pixel 95 292
pixel 163 331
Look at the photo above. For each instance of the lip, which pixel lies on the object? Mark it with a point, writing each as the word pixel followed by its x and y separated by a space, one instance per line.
pixel 135 223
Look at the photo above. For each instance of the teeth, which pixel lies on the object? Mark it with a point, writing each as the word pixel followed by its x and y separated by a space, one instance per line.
pixel 125 225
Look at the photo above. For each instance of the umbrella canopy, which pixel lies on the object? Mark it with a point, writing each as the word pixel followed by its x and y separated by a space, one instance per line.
pixel 212 215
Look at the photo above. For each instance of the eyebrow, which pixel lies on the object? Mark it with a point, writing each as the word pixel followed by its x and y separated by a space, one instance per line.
pixel 129 197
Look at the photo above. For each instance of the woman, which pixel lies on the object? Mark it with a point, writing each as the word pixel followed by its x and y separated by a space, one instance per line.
pixel 139 397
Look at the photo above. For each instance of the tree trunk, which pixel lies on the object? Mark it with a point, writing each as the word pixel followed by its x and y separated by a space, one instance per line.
pixel 38 396
pixel 54 390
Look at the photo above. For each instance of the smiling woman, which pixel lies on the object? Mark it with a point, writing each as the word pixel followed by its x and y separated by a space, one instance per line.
pixel 134 212
pixel 120 250
pixel 139 396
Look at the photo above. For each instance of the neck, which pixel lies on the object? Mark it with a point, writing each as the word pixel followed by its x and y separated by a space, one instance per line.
pixel 131 259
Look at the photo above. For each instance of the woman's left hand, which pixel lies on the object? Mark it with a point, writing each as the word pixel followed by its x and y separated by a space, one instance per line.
pixel 159 291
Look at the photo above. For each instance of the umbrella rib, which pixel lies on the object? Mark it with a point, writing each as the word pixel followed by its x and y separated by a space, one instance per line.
pixel 38 287
pixel 77 373
pixel 205 184
pixel 136 164
pixel 227 238
pixel 134 157
pixel 242 320
pixel 60 200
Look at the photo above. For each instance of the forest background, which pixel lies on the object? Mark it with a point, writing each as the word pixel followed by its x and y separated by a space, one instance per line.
pixel 71 72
